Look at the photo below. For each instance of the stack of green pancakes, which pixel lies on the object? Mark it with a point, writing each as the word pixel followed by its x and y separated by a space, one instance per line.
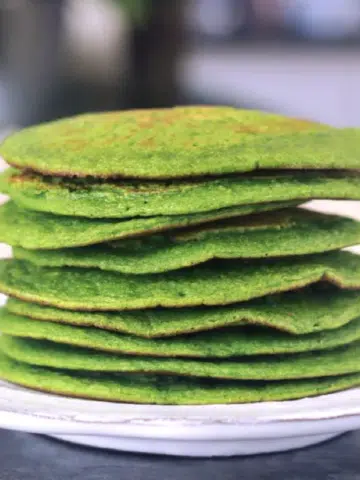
pixel 162 256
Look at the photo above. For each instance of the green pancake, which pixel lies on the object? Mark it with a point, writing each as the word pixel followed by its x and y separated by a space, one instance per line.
pixel 180 142
pixel 165 390
pixel 328 363
pixel 284 233
pixel 301 312
pixel 35 230
pixel 218 284
pixel 221 343
pixel 98 199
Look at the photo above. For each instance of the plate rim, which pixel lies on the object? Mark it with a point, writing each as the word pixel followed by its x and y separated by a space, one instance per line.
pixel 37 412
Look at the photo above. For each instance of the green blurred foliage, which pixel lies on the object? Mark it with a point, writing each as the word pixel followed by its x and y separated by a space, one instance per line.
pixel 136 9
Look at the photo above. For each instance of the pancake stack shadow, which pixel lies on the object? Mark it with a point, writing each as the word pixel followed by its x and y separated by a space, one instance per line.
pixel 163 256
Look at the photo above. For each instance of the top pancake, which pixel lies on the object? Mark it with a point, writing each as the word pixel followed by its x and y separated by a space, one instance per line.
pixel 180 142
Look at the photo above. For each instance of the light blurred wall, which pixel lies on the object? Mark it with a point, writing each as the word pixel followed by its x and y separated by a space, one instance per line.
pixel 322 84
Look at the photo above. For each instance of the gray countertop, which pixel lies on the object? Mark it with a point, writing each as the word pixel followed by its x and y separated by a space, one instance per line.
pixel 30 457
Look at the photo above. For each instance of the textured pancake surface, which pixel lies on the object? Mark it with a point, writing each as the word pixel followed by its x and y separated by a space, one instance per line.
pixel 340 361
pixel 180 142
pixel 36 230
pixel 216 344
pixel 301 312
pixel 165 389
pixel 217 284
pixel 284 233
pixel 119 199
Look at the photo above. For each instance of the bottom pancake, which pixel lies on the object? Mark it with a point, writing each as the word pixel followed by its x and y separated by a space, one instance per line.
pixel 165 390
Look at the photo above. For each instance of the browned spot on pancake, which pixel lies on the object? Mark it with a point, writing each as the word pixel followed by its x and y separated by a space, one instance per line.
pixel 246 129
pixel 69 129
pixel 20 178
pixel 148 142
pixel 276 125
pixel 76 143
pixel 150 118
pixel 146 124
pixel 111 117
pixel 170 120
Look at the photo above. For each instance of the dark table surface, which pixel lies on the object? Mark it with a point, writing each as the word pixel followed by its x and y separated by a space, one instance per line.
pixel 28 457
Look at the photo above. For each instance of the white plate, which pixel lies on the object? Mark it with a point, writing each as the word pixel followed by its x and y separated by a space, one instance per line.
pixel 219 430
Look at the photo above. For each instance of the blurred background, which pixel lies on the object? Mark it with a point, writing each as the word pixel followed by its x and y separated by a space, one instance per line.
pixel 62 57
